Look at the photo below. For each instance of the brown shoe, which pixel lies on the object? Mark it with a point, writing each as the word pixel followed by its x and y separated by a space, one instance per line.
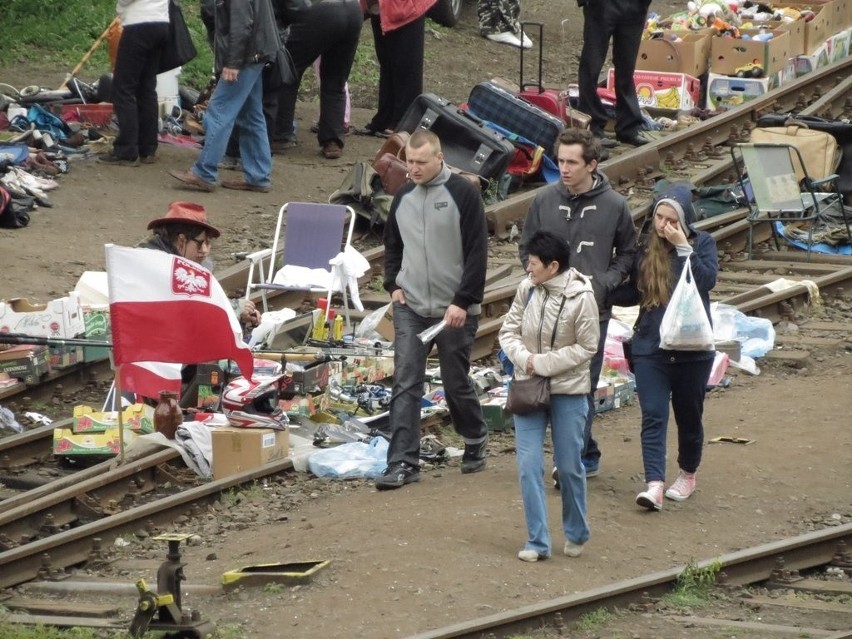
pixel 242 185
pixel 331 150
pixel 148 159
pixel 191 179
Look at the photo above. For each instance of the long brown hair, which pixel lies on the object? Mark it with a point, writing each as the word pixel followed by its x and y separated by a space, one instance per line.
pixel 655 274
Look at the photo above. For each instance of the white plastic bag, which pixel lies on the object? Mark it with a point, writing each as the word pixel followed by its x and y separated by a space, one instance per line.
pixel 351 461
pixel 685 325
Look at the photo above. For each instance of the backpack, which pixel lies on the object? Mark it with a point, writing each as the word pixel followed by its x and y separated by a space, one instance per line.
pixel 362 190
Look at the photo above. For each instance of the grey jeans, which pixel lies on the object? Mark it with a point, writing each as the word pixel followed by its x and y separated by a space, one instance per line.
pixel 454 346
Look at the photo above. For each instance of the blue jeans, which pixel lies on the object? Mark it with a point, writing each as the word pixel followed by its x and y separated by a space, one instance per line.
pixel 243 100
pixel 567 415
pixel 657 380
pixel 409 377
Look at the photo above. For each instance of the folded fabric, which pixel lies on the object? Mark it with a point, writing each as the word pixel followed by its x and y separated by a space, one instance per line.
pixel 293 276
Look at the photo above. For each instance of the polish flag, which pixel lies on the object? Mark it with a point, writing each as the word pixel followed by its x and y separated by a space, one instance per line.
pixel 149 378
pixel 165 308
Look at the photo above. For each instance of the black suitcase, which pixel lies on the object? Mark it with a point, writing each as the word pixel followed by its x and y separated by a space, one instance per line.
pixel 495 104
pixel 468 144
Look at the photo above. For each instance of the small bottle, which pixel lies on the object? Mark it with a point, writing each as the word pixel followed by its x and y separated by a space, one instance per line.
pixel 168 415
pixel 337 328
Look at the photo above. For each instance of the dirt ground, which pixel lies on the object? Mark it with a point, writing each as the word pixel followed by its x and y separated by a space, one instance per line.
pixel 444 550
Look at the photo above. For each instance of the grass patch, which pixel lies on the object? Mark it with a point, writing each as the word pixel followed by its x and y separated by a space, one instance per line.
pixel 246 492
pixel 694 586
pixel 594 620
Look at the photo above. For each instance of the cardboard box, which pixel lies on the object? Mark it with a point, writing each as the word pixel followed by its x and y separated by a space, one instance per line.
pixel 96 326
pixel 496 416
pixel 58 318
pixel 725 91
pixel 807 63
pixel 138 418
pixel 838 46
pixel 385 325
pixel 306 377
pixel 64 356
pixel 661 90
pixel 236 450
pixel 728 55
pixel 27 363
pixel 827 20
pixel 68 443
pixel 797 30
pixel 689 55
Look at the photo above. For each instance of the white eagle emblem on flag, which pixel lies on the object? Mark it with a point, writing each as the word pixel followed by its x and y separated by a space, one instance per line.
pixel 188 279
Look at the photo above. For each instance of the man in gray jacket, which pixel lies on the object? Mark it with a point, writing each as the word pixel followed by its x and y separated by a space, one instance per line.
pixel 244 41
pixel 596 223
pixel 436 255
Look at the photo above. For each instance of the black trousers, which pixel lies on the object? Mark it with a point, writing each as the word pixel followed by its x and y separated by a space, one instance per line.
pixel 622 22
pixel 134 89
pixel 400 55
pixel 330 32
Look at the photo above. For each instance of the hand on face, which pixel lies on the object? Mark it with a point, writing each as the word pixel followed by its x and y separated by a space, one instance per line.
pixel 674 233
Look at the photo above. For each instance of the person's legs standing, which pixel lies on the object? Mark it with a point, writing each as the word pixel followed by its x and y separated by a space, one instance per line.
pixel 689 385
pixel 130 64
pixel 567 419
pixel 454 346
pixel 254 141
pixel 591 452
pixel 335 65
pixel 404 48
pixel 596 36
pixel 147 100
pixel 653 385
pixel 409 359
pixel 529 456
pixel 384 53
pixel 625 48
pixel 225 105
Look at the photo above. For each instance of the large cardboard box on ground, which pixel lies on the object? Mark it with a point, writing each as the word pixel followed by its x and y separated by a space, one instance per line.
pixel 26 363
pixel 690 54
pixel 61 317
pixel 725 91
pixel 236 450
pixel 728 55
pixel 661 90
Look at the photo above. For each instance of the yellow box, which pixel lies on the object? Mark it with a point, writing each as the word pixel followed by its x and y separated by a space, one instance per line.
pixel 138 418
pixel 68 443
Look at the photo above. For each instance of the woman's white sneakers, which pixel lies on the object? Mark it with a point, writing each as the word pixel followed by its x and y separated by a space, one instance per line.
pixel 531 556
pixel 507 37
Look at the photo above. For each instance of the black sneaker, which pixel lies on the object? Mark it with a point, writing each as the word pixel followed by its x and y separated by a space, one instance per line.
pixel 473 459
pixel 112 158
pixel 397 475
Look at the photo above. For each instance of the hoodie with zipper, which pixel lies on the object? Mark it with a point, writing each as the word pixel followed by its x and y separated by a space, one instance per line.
pixel 594 224
pixel 563 311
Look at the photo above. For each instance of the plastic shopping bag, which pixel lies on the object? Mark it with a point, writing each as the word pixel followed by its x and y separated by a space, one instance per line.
pixel 685 325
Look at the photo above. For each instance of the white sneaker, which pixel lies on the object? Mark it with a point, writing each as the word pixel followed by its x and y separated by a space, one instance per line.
pixel 683 486
pixel 530 556
pixel 506 37
pixel 652 497
pixel 571 549
pixel 526 43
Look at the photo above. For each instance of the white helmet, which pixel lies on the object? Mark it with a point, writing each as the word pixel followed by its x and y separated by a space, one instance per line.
pixel 253 403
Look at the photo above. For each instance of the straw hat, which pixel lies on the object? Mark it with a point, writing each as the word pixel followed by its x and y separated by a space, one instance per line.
pixel 186 213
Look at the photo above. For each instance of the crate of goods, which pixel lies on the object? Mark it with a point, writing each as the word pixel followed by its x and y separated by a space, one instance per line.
pixel 138 418
pixel 26 363
pixel 96 115
pixel 676 52
pixel 797 29
pixel 67 443
pixel 737 56
pixel 237 450
pixel 96 321
pixel 496 416
pixel 663 90
pixel 822 19
pixel 65 356
pixel 724 91
pixel 60 318
pixel 838 46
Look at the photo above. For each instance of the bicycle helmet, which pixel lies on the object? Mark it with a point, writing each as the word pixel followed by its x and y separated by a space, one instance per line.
pixel 253 403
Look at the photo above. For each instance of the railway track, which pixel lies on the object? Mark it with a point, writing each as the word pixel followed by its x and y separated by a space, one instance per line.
pixel 776 565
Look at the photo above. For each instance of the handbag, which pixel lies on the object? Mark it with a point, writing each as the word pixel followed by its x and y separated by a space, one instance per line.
pixel 392 171
pixel 532 394
pixel 685 325
pixel 528 395
pixel 819 149
pixel 178 49
pixel 281 72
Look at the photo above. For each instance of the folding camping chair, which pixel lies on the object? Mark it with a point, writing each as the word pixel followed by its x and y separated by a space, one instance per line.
pixel 314 235
pixel 767 175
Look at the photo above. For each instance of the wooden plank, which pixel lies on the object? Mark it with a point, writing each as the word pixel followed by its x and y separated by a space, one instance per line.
pixel 53 607
pixel 765 629
pixel 840 327
pixel 826 587
pixel 802 340
pixel 819 606
pixel 65 622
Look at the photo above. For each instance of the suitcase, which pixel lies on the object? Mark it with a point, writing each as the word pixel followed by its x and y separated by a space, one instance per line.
pixel 554 101
pixel 492 102
pixel 468 144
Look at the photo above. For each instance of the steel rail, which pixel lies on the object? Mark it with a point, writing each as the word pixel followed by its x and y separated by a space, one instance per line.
pixel 49 557
pixel 742 567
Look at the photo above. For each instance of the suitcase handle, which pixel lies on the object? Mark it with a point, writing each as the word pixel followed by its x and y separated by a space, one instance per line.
pixel 538 84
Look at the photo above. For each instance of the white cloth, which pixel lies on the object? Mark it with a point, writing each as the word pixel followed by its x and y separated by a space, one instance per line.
pixel 346 268
pixel 302 277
